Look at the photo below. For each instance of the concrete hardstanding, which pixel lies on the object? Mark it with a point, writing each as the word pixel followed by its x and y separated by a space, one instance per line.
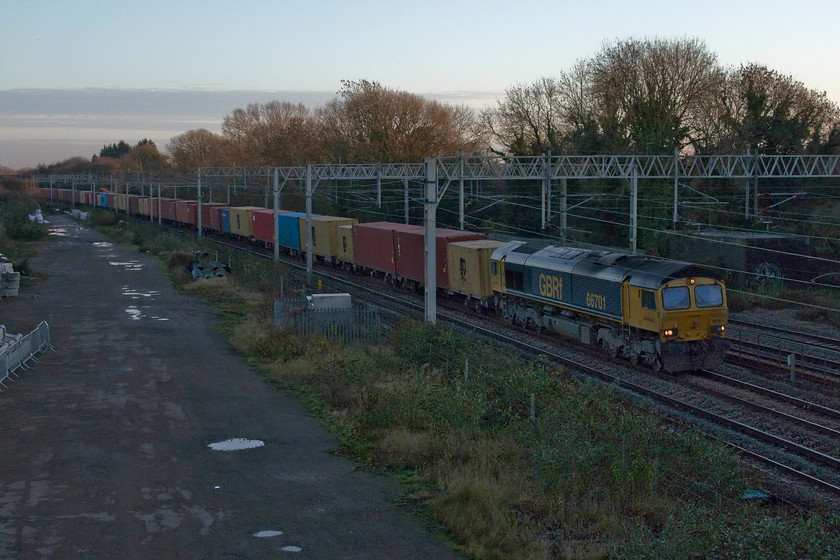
pixel 105 442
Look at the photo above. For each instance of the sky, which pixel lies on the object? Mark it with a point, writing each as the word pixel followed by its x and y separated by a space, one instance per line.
pixel 76 75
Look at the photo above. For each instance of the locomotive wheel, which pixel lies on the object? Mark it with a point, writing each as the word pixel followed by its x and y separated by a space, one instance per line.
pixel 657 365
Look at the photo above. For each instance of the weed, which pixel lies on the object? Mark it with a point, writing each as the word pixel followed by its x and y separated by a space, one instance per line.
pixel 591 476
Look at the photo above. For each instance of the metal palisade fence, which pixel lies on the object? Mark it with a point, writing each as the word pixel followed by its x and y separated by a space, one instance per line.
pixel 354 325
pixel 16 353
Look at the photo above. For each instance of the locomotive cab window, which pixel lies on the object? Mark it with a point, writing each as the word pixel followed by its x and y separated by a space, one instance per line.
pixel 648 299
pixel 708 295
pixel 676 298
pixel 514 279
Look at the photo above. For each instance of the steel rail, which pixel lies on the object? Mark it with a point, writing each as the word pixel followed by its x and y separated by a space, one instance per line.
pixel 760 435
pixel 826 411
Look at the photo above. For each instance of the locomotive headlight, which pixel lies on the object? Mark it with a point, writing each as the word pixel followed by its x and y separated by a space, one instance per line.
pixel 718 329
pixel 670 333
pixel 691 281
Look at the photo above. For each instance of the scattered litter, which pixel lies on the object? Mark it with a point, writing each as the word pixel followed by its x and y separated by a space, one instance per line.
pixel 37 217
pixel 291 549
pixel 265 534
pixel 217 487
pixel 236 444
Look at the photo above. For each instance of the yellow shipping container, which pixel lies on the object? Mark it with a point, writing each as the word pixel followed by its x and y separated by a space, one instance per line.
pixel 144 206
pixel 241 221
pixel 324 234
pixel 469 267
pixel 344 243
pixel 121 200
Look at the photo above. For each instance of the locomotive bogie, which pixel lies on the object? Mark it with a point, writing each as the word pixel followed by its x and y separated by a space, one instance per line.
pixel 668 315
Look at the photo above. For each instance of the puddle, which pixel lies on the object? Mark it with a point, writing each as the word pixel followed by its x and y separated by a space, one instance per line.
pixel 128 265
pixel 102 244
pixel 291 549
pixel 266 534
pixel 135 314
pixel 59 232
pixel 136 294
pixel 236 444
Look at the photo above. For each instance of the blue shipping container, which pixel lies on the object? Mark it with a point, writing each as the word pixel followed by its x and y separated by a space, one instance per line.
pixel 102 201
pixel 226 220
pixel 288 230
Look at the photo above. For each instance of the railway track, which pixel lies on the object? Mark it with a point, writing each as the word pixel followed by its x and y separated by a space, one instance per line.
pixel 814 357
pixel 806 449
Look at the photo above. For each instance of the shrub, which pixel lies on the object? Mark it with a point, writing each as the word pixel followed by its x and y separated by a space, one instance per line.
pixel 14 218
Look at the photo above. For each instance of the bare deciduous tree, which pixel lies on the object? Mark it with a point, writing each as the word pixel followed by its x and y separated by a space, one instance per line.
pixel 277 133
pixel 766 111
pixel 198 148
pixel 371 123
pixel 653 91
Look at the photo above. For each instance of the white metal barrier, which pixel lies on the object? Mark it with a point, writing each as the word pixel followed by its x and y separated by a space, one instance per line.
pixel 18 354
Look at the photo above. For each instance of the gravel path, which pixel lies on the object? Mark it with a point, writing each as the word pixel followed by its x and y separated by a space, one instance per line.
pixel 106 442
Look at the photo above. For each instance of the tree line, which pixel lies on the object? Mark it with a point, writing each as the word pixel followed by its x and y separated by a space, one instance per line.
pixel 634 96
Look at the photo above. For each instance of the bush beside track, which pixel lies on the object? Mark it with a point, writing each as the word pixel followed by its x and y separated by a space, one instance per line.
pixel 591 477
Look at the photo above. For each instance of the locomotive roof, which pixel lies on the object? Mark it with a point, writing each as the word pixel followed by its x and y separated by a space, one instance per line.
pixel 641 271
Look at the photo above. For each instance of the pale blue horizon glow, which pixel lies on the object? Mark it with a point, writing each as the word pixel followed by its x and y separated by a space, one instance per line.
pixel 463 51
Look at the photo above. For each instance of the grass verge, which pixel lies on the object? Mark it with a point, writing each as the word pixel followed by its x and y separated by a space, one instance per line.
pixel 589 476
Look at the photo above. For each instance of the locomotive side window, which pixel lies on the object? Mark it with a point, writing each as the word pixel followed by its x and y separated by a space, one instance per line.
pixel 676 298
pixel 708 295
pixel 648 299
pixel 514 280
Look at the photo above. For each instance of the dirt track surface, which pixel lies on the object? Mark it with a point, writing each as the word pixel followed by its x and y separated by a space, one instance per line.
pixel 104 443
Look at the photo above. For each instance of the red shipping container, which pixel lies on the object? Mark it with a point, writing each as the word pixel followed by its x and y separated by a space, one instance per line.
pixel 374 245
pixel 207 214
pixel 159 203
pixel 215 216
pixel 134 203
pixel 167 209
pixel 264 223
pixel 185 212
pixel 410 252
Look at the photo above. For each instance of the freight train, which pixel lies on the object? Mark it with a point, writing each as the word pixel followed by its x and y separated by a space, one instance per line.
pixel 668 315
